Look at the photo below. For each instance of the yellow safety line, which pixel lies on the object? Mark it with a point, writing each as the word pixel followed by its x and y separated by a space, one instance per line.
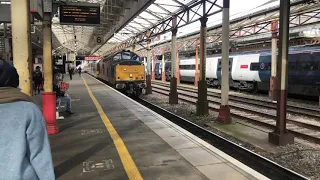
pixel 126 159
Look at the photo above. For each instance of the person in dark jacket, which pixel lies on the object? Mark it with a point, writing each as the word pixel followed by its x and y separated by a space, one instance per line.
pixel 24 145
pixel 79 71
pixel 70 71
pixel 61 94
pixel 37 79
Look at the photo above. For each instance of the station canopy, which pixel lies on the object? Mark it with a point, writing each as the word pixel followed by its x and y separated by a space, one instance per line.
pixel 81 38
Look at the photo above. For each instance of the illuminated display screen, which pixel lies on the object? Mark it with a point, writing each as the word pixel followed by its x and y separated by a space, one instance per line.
pixel 86 15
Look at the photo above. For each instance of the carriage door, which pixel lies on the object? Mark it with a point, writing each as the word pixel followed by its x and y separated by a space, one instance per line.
pixel 219 69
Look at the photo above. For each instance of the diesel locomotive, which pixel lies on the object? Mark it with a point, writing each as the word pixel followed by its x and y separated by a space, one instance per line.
pixel 122 70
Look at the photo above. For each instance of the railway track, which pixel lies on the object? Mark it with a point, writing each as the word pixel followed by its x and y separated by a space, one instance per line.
pixel 261 164
pixel 250 113
pixel 298 110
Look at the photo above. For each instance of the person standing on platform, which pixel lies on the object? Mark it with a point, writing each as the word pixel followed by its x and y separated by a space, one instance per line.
pixel 70 71
pixel 24 145
pixel 37 79
pixel 79 71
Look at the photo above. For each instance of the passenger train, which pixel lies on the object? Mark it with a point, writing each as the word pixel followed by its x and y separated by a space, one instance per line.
pixel 122 70
pixel 251 71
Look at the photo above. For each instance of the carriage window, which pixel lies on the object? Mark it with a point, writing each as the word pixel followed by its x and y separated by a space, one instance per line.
pixel 98 67
pixel 292 66
pixel 260 66
pixel 254 66
pixel 305 63
pixel 292 58
pixel 167 66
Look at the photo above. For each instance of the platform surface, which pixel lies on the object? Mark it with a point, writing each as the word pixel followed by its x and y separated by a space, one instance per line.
pixel 112 137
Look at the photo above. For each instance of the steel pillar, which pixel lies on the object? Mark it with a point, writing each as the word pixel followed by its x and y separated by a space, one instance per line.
pixel 224 111
pixel 163 64
pixel 148 78
pixel 280 135
pixel 153 74
pixel 177 67
pixel 173 95
pixel 202 103
pixel 48 96
pixel 21 42
pixel 272 91
pixel 196 76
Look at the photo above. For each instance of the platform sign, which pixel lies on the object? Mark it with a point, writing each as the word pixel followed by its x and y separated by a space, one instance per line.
pixel 91 58
pixel 80 14
pixel 98 40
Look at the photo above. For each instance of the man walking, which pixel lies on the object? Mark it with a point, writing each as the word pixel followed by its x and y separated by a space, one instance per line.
pixel 70 71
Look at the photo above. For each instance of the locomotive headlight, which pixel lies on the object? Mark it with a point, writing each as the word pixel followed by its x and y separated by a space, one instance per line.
pixel 131 75
pixel 124 69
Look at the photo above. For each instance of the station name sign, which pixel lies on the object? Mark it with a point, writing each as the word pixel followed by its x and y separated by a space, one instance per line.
pixel 80 14
pixel 87 58
pixel 91 58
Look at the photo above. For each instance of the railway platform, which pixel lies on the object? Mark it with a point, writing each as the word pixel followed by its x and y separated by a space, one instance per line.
pixel 111 136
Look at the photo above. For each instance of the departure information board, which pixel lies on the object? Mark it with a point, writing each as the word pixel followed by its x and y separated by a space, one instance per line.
pixel 82 15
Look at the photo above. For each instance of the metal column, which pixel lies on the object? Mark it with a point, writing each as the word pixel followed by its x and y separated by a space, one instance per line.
pixel 196 79
pixel 148 78
pixel 173 95
pixel 202 103
pixel 280 135
pixel 224 111
pixel 274 29
pixel 163 72
pixel 177 66
pixel 48 96
pixel 153 74
pixel 21 42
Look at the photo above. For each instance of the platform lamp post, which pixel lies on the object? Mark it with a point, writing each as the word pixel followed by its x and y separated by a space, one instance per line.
pixel 224 111
pixel 280 136
pixel 148 78
pixel 173 95
pixel 202 103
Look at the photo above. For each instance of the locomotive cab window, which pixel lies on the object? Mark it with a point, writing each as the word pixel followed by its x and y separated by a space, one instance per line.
pixel 117 57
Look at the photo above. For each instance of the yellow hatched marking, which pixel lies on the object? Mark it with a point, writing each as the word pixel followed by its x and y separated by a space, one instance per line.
pixel 126 159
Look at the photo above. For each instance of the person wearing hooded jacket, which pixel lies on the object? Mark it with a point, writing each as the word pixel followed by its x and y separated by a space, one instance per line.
pixel 24 145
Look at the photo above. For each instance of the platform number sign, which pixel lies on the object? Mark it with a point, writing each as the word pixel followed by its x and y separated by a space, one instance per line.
pixel 98 39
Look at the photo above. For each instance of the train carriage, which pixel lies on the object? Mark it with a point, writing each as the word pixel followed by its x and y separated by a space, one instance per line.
pixel 252 71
